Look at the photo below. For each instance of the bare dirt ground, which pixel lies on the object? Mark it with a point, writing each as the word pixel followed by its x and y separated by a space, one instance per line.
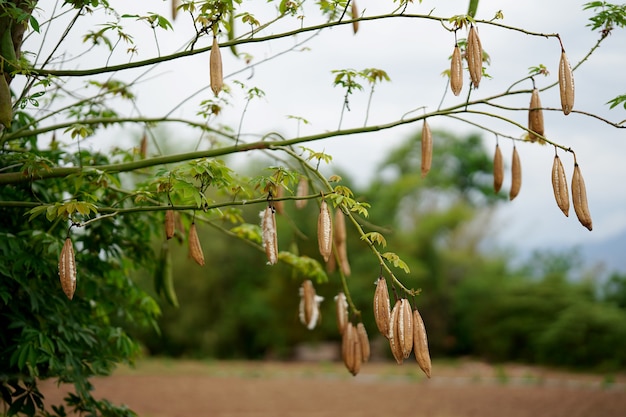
pixel 270 389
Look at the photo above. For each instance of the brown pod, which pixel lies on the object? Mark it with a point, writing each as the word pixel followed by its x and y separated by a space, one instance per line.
pixel 324 231
pixel 566 84
pixel 355 14
pixel 67 268
pixel 456 71
pixel 341 310
pixel 301 191
pixel 420 344
pixel 474 56
pixel 339 235
pixel 170 224
pixel 382 307
pixel 175 5
pixel 394 338
pixel 215 68
pixel 404 328
pixel 351 350
pixel 269 235
pixel 427 148
pixel 195 249
pixel 309 308
pixel 535 117
pixel 364 341
pixel 143 146
pixel 516 175
pixel 559 185
pixel 279 205
pixel 498 169
pixel 579 198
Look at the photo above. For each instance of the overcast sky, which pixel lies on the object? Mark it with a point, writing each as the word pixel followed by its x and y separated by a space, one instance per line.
pixel 414 53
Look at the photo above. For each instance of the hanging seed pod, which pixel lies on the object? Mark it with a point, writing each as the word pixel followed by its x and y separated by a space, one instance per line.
pixel 354 11
pixel 394 336
pixel 364 342
pixel 195 249
pixel 215 67
pixel 498 169
pixel 382 307
pixel 269 235
pixel 301 191
pixel 324 231
pixel 535 117
pixel 67 268
pixel 427 148
pixel 143 146
pixel 339 235
pixel 309 308
pixel 516 174
pixel 420 344
pixel 279 205
pixel 579 198
pixel 341 309
pixel 170 224
pixel 6 109
pixel 404 328
pixel 559 185
pixel 175 5
pixel 566 84
pixel 456 71
pixel 474 56
pixel 351 352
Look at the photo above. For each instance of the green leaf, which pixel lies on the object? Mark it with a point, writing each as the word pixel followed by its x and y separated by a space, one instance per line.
pixel 34 23
pixel 396 261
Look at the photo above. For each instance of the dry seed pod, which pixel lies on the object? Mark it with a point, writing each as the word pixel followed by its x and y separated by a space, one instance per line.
pixel 559 185
pixel 175 5
pixel 143 146
pixel 404 328
pixel 516 175
pixel 301 191
pixel 474 55
pixel 456 71
pixel 346 344
pixel 364 341
pixel 339 235
pixel 427 148
pixel 67 268
pixel 351 351
pixel 309 308
pixel 566 84
pixel 579 198
pixel 535 117
pixel 358 352
pixel 325 231
pixel 420 344
pixel 355 14
pixel 394 340
pixel 195 249
pixel 215 67
pixel 498 169
pixel 279 205
pixel 382 307
pixel 269 235
pixel 170 224
pixel 341 309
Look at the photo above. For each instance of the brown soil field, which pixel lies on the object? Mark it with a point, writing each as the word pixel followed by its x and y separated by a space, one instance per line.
pixel 167 388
